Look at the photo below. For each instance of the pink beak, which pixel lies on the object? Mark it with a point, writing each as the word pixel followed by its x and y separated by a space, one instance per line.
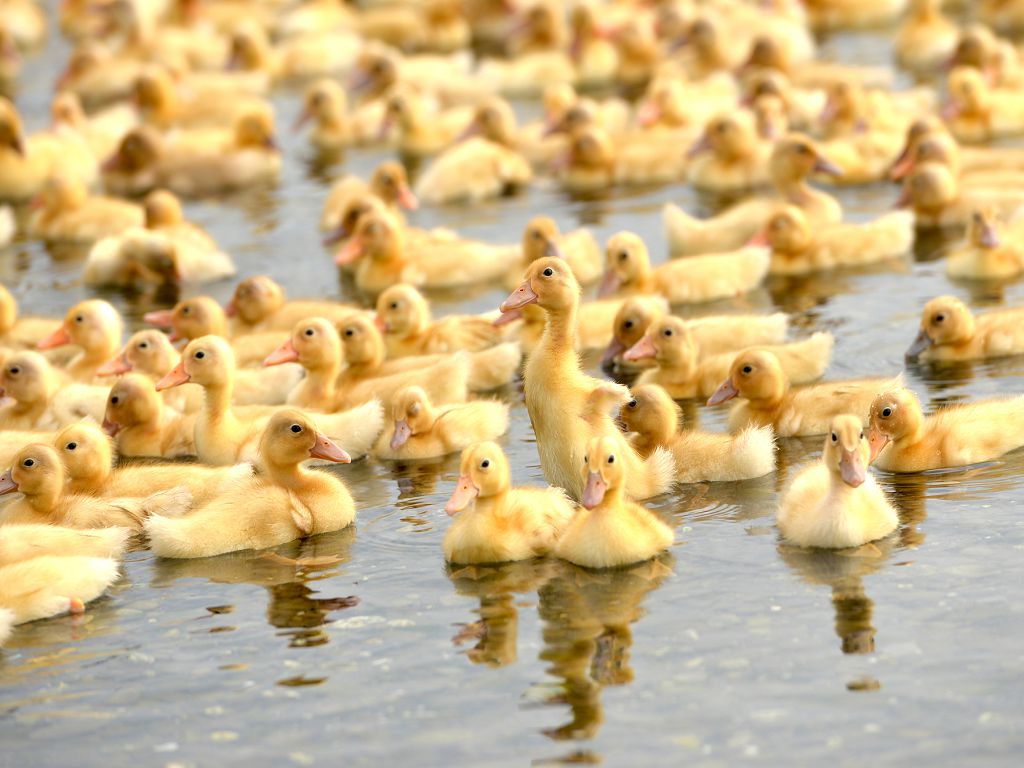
pixel 610 284
pixel 380 323
pixel 325 449
pixel 174 378
pixel 520 297
pixel 724 393
pixel 642 350
pixel 851 468
pixel 349 252
pixel 286 353
pixel 615 348
pixel 826 166
pixel 115 366
pixel 463 494
pixel 402 434
pixel 163 318
pixel 231 309
pixel 877 441
pixel 989 236
pixel 304 117
pixel 702 145
pixel 649 113
pixel 7 484
pixel 111 427
pixel 593 493
pixel 506 318
pixel 407 199
pixel 58 338
pixel 760 239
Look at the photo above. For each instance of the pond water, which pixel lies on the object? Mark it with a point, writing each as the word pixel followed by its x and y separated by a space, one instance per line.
pixel 729 648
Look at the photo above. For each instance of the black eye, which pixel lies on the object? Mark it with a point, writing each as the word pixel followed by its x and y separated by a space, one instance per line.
pixel 886 412
pixel 14 371
pixel 28 463
pixel 628 324
pixel 296 428
pixel 79 318
pixel 535 235
pixel 748 369
pixel 394 305
pixel 115 400
pixel 611 459
pixel 861 436
pixel 199 355
pixel 349 332
pixel 144 345
pixel 586 459
pixel 939 318
pixel 835 438
pixel 186 310
pixel 71 446
pixel 623 255
pixel 309 331
pixel 548 272
pixel 667 332
pixel 485 464
pixel 631 403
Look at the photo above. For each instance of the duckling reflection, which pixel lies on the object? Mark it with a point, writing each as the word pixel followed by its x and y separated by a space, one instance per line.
pixel 587 635
pixel 418 479
pixel 496 631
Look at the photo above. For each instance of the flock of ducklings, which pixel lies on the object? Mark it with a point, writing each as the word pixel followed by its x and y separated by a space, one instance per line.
pixel 164 99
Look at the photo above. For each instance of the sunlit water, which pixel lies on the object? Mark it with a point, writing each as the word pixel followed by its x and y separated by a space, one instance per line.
pixel 729 648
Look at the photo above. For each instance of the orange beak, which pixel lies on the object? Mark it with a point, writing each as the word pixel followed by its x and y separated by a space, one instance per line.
pixel 877 441
pixel 174 378
pixel 380 323
pixel 58 338
pixel 407 199
pixel 349 253
pixel 520 297
pixel 724 392
pixel 325 449
pixel 115 366
pixel 162 318
pixel 286 353
pixel 463 494
pixel 648 114
pixel 642 350
pixel 760 239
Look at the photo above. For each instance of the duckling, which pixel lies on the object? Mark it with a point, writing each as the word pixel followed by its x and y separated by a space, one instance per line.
pixel 985 253
pixel 38 474
pixel 793 159
pixel 757 376
pixel 283 503
pixel 51 585
pixel 651 419
pixel 135 259
pixel 21 332
pixel 197 255
pixel 151 354
pixel 325 106
pixel 595 161
pixel 94 326
pixel 42 397
pixel 567 408
pixel 904 440
pixel 609 531
pixel 227 435
pixel 98 76
pixel 950 332
pixel 977 113
pixel 388 183
pixel 64 211
pixel 685 281
pixel 542 237
pixel 797 248
pixel 473 170
pixel 436 25
pixel 926 38
pixel 937 200
pixel 496 523
pixel 141 425
pixel 836 504
pixel 594 56
pixel 419 131
pixel 403 316
pixel 259 304
pixel 24 542
pixel 422 430
pixel 728 157
pixel 163 105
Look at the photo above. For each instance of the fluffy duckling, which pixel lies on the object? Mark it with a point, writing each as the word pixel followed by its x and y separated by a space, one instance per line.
pixel 679 369
pixel 51 585
pixel 161 104
pixel 403 316
pixel 950 332
pixel 757 376
pixel 325 106
pixel 568 408
pixel 850 14
pixel 976 113
pixel 198 258
pixel 793 159
pixel 228 435
pixel 713 276
pixel 541 238
pixel 37 473
pixel 150 353
pixel 595 161
pixel 42 398
pixel 609 531
pixel 418 130
pixel 729 156
pixel 496 523
pixel 836 504
pixel 136 259
pixel 95 327
pixel 904 440
pixel 64 211
pixel 986 253
pixel 389 183
pixel 473 170
pixel 938 200
pixel 798 248
pixel 142 425
pixel 24 542
pixel 652 419
pixel 422 430
pixel 926 38
pixel 284 502
pixel 260 304
pixel 21 332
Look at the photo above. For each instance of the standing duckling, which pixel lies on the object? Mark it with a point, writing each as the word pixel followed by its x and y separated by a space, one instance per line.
pixel 610 532
pixel 284 502
pixel 950 332
pixel 496 523
pixel 94 326
pixel 836 504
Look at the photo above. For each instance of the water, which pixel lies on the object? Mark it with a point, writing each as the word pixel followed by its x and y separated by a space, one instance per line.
pixel 730 648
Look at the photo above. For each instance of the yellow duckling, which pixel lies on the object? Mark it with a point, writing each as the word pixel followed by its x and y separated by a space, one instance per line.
pixel 496 523
pixel 926 38
pixel 43 399
pixel 595 161
pixel 986 253
pixel 729 156
pixel 418 130
pixel 37 474
pixel 904 440
pixel 141 425
pixel 163 105
pixel 652 419
pixel 50 585
pixel 798 248
pixel 976 113
pixel 94 326
pixel 422 430
pixel 403 316
pixel 260 304
pixel 228 435
pixel 609 531
pixel 793 159
pixel 24 542
pixel 436 25
pixel 938 200
pixel 21 332
pixel 542 237
pixel 474 169
pixel 950 332
pixel 150 353
pixel 325 106
pixel 696 279
pixel 567 408
pixel 284 502
pixel 197 255
pixel 98 76
pixel 64 211
pixel 388 183
pixel 136 259
pixel 679 369
pixel 836 504
pixel 757 377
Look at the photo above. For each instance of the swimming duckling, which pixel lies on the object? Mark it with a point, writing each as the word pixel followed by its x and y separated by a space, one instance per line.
pixel 142 425
pixel 94 326
pixel 939 200
pixel 403 316
pixel 42 397
pixel 284 502
pixel 420 131
pixel 836 504
pixel 728 156
pixel 422 430
pixel 977 113
pixel 609 531
pixel 325 105
pixel 950 332
pixel 136 259
pixel 926 38
pixel 260 304
pixel 50 585
pixel 473 170
pixel 389 184
pixel 65 211
pixel 26 541
pixel 986 253
pixel 496 523
pixel 541 238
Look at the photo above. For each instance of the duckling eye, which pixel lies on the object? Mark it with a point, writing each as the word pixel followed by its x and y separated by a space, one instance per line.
pixel 835 438
pixel 310 332
pixel 861 435
pixel 71 446
pixel 349 332
pixel 199 355
pixel 748 369
pixel 394 305
pixel 667 332
pixel 296 428
pixel 631 403
pixel 14 371
pixel 886 412
pixel 586 459
pixel 548 272
pixel 485 464
pixel 115 400
pixel 79 318
pixel 623 255
pixel 28 463
pixel 143 345
pixel 628 324
pixel 939 318
pixel 611 459
pixel 803 149
pixel 186 310
pixel 535 235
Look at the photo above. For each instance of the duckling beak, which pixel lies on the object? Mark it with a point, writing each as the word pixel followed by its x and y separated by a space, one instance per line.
pixel 921 343
pixel 642 350
pixel 174 378
pixel 760 239
pixel 905 200
pixel 7 484
pixel 384 129
pixel 902 167
pixel 520 297
pixel 58 338
pixel 615 348
pixel 304 117
pixel 702 145
pixel 114 366
pixel 593 493
pixel 463 494
pixel 402 434
pixel 989 236
pixel 649 113
pixel 286 353
pixel 407 199
pixel 350 252
pixel 552 249
pixel 951 110
pixel 335 235
pixel 851 468
pixel 610 284
pixel 877 440
pixel 826 166
pixel 231 309
pixel 727 391
pixel 507 317
pixel 111 427
pixel 324 448
pixel 162 318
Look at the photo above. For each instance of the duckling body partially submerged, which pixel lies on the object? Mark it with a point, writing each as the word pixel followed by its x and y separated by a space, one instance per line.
pixel 950 332
pixel 50 585
pixel 987 253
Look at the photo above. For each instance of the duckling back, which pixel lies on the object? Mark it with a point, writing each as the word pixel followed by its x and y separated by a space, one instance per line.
pixel 50 585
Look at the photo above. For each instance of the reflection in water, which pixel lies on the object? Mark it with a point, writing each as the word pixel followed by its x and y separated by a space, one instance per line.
pixel 587 636
pixel 802 293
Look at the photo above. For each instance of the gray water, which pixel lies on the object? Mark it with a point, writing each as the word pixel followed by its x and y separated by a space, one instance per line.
pixel 730 649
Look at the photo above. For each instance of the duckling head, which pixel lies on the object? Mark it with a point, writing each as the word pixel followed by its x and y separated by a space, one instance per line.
pixel 362 343
pixel 255 130
pixel 36 472
pixel 151 257
pixel 770 116
pixel 28 378
pixel 755 375
pixel 86 452
pixel 651 412
pixel 578 117
pixel 969 94
pixel 207 361
pixel 92 324
pixel 929 187
pixel 324 103
pixel 668 341
pixel 936 147
pixel 795 157
pixel 626 261
pixel 376 237
pixel 402 311
pixel 483 472
pixel 291 437
pixel 11 134
pixel 494 121
pixel 390 183
pixel 944 320
pixel 845 102
pixel 374 74
pixel 249 49
pixel 413 414
pixel 148 351
pixel 602 471
pixel 787 231
pixel 350 216
pixel 974 48
pixel 846 452
pixel 313 343
pixel 630 325
pixel 61 192
pixel 766 53
pixel 162 209
pixel 132 401
pixel 549 283
pixel 983 228
pixel 403 108
pixel 255 299
pixel 540 239
pixel 893 415
pixel 727 137
pixel 138 151
pixel 153 91
pixel 590 149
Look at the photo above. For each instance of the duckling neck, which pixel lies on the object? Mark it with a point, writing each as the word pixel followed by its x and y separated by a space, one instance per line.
pixel 492 504
pixel 321 380
pixel 90 482
pixel 288 476
pixel 560 329
pixel 217 401
pixel 44 501
pixel 140 440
